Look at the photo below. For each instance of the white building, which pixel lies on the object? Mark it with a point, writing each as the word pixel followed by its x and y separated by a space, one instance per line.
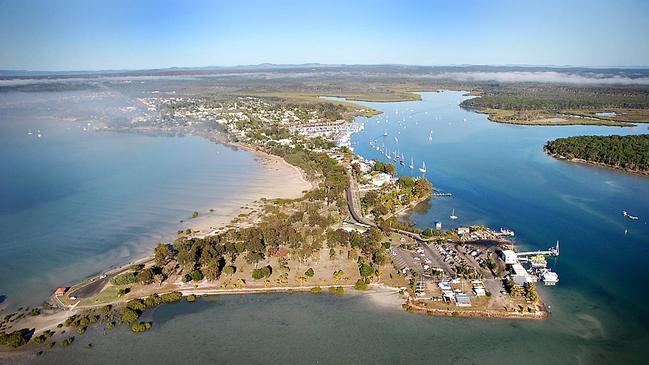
pixel 381 179
pixel 463 230
pixel 521 276
pixel 510 257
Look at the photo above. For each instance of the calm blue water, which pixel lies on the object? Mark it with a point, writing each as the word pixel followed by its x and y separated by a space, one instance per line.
pixel 75 202
pixel 499 176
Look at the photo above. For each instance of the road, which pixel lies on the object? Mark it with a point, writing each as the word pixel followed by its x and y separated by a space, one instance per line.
pixel 354 204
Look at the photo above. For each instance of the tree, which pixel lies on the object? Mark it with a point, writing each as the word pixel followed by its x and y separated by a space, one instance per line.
pixel 194 214
pixel 229 270
pixel 129 316
pixel 267 271
pixel 162 253
pixel 309 272
pixel 257 274
pixel 145 276
pixel 406 181
pixel 196 275
pixel 365 270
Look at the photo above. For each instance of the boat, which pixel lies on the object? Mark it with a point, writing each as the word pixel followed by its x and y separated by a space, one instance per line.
pixel 430 136
pixel 423 167
pixel 538 261
pixel 549 277
pixel 29 132
pixel 453 216
pixel 630 216
pixel 39 135
pixel 507 232
pixel 412 163
pixel 385 134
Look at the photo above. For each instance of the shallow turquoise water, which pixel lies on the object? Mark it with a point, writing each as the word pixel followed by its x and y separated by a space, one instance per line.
pixel 75 202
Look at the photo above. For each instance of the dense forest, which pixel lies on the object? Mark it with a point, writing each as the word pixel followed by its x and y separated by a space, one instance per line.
pixel 555 98
pixel 623 152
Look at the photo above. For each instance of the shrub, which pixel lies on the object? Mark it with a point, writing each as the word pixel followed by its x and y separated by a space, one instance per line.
pixel 124 279
pixel 309 272
pixel 136 305
pixel 196 275
pixel 316 290
pixel 129 315
pixel 67 342
pixel 174 296
pixel 194 214
pixel 229 270
pixel 141 327
pixel 361 285
pixel 191 298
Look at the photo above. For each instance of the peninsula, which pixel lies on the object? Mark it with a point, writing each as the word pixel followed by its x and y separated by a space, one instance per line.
pixel 341 234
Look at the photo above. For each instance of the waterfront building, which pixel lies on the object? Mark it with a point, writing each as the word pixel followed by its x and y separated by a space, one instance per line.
pixel 509 257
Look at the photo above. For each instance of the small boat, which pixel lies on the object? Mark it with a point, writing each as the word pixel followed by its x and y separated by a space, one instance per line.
pixel 29 132
pixel 39 135
pixel 453 216
pixel 430 136
pixel 507 232
pixel 423 167
pixel 630 216
pixel 385 134
pixel 412 163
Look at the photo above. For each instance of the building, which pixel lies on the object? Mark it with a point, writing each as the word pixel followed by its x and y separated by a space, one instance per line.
pixel 479 291
pixel 462 300
pixel 463 230
pixel 60 291
pixel 381 179
pixel 509 257
pixel 521 276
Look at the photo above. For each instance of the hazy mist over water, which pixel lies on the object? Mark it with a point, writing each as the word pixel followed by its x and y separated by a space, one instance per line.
pixel 77 201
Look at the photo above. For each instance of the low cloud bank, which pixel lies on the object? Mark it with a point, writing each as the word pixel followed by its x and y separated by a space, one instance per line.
pixel 543 76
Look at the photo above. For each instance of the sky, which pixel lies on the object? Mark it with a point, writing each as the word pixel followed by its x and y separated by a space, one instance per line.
pixel 63 35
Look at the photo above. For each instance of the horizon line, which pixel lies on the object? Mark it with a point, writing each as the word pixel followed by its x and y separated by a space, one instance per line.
pixel 268 64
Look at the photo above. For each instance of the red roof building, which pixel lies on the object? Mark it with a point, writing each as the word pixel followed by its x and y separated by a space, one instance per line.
pixel 60 291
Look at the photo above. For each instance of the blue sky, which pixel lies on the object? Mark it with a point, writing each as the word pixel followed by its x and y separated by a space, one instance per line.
pixel 116 34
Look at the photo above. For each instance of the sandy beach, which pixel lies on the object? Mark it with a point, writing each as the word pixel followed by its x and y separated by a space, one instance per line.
pixel 278 179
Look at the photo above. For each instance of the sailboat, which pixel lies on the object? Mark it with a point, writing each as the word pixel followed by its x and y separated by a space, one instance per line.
pixel 412 163
pixel 423 167
pixel 453 216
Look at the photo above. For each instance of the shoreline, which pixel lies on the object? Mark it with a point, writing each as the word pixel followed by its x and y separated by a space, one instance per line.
pixel 596 164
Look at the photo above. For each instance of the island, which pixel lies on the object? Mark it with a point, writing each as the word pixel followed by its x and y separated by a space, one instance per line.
pixel 627 153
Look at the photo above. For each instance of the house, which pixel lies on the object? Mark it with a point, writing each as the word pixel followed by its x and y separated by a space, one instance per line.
pixel 60 291
pixel 479 291
pixel 462 300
